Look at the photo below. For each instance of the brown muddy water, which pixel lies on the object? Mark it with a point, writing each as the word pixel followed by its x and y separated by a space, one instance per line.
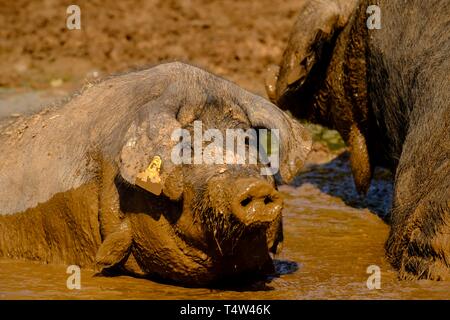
pixel 331 237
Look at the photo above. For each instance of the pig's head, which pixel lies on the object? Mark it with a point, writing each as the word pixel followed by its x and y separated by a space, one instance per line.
pixel 322 77
pixel 195 219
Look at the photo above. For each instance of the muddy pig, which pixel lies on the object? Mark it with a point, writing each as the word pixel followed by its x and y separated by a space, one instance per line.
pixel 378 72
pixel 94 182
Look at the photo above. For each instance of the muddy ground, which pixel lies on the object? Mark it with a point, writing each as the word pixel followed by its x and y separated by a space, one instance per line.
pixel 332 234
pixel 235 39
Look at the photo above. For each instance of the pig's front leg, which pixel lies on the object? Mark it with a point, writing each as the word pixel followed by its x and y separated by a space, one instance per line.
pixel 114 226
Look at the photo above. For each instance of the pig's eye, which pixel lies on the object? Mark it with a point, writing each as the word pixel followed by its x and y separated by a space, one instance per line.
pixel 268 141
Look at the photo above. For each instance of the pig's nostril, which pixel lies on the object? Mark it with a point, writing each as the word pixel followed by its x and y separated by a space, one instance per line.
pixel 256 201
pixel 246 201
pixel 268 200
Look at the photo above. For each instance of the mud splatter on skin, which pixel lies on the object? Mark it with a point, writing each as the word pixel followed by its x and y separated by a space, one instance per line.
pixel 329 243
pixel 386 92
pixel 104 138
pixel 67 218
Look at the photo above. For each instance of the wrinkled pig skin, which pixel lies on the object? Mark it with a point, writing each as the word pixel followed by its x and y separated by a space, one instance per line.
pixel 387 92
pixel 68 174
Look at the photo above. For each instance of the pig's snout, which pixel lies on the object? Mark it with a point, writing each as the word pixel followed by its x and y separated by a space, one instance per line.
pixel 256 202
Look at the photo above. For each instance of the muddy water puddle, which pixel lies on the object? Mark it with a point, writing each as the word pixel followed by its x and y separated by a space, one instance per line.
pixel 331 237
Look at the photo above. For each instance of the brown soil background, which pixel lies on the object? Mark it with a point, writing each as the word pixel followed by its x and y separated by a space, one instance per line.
pixel 328 227
pixel 234 39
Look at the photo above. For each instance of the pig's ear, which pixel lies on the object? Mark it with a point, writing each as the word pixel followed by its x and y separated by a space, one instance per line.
pixel 312 39
pixel 294 140
pixel 146 156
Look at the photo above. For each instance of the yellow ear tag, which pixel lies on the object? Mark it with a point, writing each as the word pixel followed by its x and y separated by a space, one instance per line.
pixel 150 179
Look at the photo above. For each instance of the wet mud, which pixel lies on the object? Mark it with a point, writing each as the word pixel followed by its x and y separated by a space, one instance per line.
pixel 332 236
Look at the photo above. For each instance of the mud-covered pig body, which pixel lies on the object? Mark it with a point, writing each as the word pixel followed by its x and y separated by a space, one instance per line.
pixel 95 181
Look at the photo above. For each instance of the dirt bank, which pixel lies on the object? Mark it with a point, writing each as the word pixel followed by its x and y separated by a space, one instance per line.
pixel 235 39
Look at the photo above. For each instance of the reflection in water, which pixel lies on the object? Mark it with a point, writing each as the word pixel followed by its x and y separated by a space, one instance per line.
pixel 283 267
pixel 331 236
pixel 334 178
